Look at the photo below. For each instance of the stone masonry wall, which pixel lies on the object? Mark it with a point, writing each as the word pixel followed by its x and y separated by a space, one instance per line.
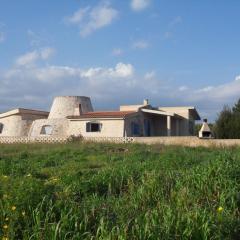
pixel 66 106
pixel 59 127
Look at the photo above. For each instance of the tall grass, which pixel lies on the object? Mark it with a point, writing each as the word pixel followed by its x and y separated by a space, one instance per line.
pixel 106 191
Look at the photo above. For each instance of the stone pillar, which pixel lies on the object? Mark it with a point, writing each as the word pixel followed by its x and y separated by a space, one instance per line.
pixel 169 126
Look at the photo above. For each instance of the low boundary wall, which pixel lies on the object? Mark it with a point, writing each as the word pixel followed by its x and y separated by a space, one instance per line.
pixel 182 141
pixel 189 141
pixel 8 140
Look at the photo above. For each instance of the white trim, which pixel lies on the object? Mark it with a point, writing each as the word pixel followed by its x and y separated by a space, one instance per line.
pixel 96 119
pixel 157 112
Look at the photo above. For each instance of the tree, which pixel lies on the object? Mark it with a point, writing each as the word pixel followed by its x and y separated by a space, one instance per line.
pixel 228 122
pixel 236 107
pixel 236 119
pixel 197 128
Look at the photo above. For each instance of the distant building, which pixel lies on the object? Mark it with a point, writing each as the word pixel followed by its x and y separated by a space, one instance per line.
pixel 74 115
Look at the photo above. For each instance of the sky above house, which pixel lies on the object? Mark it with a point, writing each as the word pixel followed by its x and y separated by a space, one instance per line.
pixel 175 53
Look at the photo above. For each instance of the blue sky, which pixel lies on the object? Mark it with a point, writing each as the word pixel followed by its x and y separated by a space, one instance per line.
pixel 173 52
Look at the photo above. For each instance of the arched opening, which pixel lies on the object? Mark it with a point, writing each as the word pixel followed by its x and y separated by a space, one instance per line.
pixel 1 128
pixel 46 130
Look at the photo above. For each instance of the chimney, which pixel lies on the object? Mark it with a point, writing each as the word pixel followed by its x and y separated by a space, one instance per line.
pixel 145 102
pixel 205 131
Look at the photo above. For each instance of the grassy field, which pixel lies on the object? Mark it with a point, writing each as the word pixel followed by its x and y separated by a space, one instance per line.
pixel 106 191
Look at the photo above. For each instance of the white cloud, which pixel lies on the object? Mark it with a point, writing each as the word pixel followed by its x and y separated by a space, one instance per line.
pixel 205 89
pixel 30 58
pixel 182 88
pixel 46 53
pixel 237 78
pixel 78 16
pixel 150 75
pixel 139 5
pixel 121 70
pixel 91 19
pixel 220 93
pixel 49 80
pixel 117 52
pixel 140 44
pixel 109 85
pixel 210 99
pixel 53 73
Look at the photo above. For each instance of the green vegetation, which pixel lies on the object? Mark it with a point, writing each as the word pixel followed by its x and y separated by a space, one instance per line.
pixel 107 191
pixel 228 123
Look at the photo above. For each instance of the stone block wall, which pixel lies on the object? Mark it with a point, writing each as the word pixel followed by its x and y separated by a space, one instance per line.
pixel 67 105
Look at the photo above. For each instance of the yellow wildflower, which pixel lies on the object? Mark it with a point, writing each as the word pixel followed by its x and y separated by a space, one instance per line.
pixel 220 209
pixel 6 219
pixel 5 176
pixel 5 238
pixel 23 213
pixel 13 208
pixel 5 226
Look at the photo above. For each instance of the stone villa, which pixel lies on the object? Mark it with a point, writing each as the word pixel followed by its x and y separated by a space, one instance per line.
pixel 74 116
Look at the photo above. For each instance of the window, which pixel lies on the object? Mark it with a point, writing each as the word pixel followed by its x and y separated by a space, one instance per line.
pixel 93 127
pixel 1 128
pixel 46 130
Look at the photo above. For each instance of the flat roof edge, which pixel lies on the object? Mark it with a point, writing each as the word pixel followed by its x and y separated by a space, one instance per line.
pixel 23 110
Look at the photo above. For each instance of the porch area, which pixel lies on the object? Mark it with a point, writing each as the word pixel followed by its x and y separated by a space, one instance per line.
pixel 159 123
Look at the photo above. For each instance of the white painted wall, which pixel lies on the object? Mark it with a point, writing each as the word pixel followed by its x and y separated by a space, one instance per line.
pixel 110 128
pixel 18 125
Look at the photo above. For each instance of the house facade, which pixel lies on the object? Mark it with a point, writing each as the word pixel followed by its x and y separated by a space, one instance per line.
pixel 74 116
